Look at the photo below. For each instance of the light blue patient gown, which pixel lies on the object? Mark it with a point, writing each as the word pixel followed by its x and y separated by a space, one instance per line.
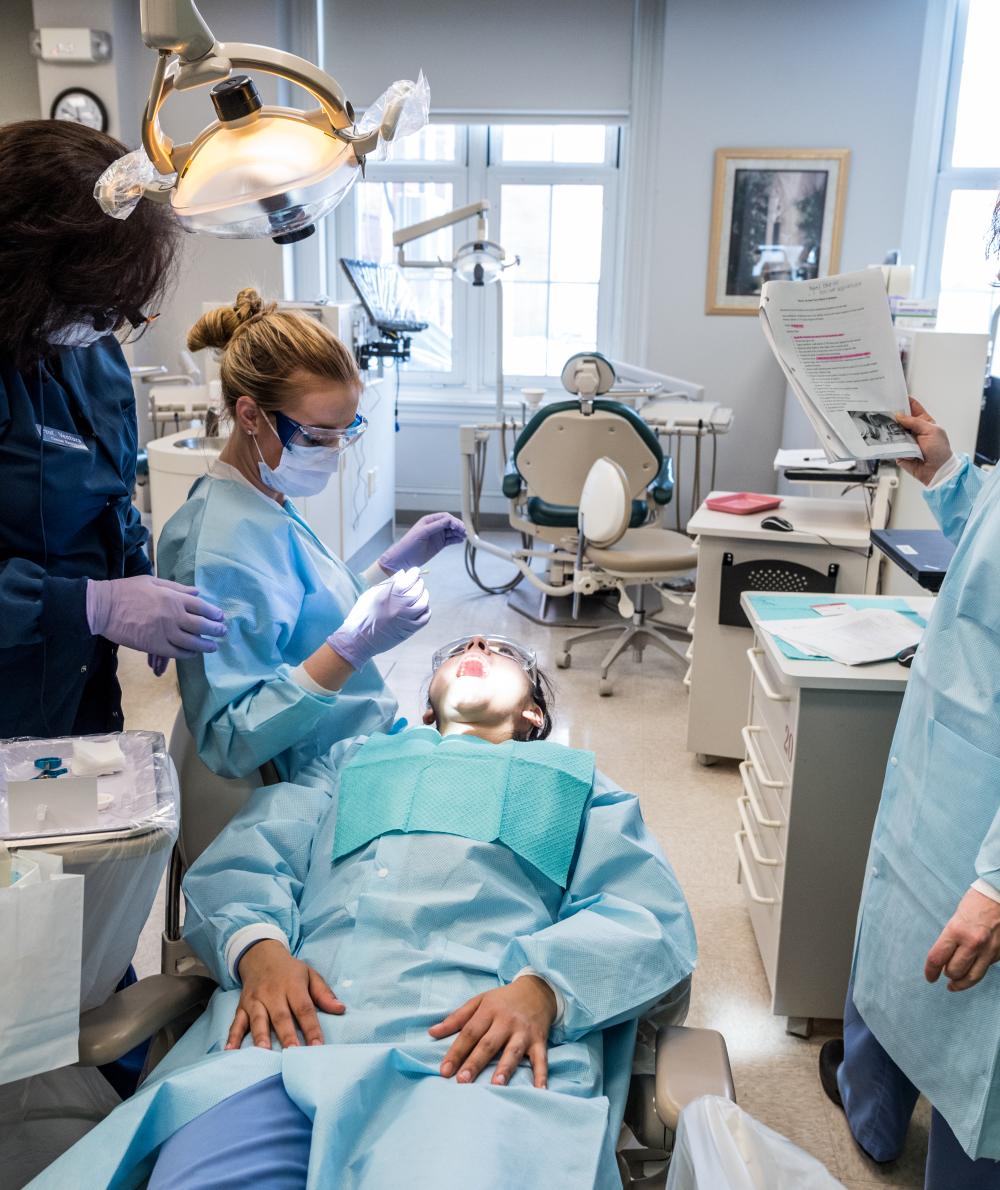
pixel 406 928
pixel 938 830
pixel 283 593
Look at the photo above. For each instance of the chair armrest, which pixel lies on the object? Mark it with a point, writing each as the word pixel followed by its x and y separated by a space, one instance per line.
pixel 662 487
pixel 689 1063
pixel 134 1014
pixel 512 483
pixel 171 378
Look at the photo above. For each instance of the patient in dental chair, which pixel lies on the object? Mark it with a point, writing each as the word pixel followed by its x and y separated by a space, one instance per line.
pixel 431 950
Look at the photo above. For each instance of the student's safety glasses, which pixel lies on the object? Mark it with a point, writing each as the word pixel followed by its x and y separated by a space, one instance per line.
pixel 294 433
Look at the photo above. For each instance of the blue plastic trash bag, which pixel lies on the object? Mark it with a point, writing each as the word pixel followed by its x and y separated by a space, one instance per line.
pixel 719 1147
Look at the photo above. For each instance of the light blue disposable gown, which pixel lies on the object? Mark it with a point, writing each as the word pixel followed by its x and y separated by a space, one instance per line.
pixel 938 830
pixel 283 593
pixel 405 930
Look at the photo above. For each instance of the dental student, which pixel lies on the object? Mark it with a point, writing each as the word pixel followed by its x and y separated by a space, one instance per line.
pixel 295 673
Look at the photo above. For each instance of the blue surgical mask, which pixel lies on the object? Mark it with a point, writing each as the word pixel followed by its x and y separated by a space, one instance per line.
pixel 301 470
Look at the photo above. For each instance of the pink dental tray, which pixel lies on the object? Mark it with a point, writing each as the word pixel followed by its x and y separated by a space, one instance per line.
pixel 743 503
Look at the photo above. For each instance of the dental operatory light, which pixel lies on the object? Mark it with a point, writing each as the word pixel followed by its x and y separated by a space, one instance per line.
pixel 479 262
pixel 257 170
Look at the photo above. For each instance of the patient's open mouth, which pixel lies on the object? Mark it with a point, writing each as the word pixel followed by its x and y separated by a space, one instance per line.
pixel 473 667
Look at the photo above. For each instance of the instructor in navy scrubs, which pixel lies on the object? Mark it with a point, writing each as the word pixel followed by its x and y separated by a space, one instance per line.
pixel 75 577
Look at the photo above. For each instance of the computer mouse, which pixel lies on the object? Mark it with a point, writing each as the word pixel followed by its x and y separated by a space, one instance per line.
pixel 905 656
pixel 778 523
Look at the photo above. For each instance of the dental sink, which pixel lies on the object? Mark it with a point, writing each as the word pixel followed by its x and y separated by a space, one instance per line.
pixel 200 443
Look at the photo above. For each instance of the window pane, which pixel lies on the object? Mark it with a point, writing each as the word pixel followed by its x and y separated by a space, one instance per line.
pixel 977 130
pixel 525 317
pixel 967 295
pixel 525 229
pixel 380 208
pixel 550 299
pixel 582 143
pixel 434 142
pixel 567 144
pixel 577 221
pixel 572 323
pixel 526 142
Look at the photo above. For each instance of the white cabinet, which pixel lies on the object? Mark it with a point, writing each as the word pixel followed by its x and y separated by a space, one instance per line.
pixel 358 505
pixel 814 753
pixel 826 533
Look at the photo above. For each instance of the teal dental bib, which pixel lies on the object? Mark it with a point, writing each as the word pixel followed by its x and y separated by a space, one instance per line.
pixel 528 796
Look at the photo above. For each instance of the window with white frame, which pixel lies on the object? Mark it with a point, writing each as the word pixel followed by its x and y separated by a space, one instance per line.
pixel 553 193
pixel 968 177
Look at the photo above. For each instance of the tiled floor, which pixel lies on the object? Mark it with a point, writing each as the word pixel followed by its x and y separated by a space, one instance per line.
pixel 639 738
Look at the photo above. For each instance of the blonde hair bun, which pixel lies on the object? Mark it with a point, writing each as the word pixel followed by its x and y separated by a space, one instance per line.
pixel 217 327
pixel 269 354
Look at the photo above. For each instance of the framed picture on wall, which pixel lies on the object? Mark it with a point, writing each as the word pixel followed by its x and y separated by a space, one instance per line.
pixel 777 214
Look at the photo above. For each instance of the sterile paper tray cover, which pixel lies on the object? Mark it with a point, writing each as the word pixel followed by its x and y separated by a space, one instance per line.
pixel 84 798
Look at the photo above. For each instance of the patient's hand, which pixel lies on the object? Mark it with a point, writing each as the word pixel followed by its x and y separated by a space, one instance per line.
pixel 516 1019
pixel 278 991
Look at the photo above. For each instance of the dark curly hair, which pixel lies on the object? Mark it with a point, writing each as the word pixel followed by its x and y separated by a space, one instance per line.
pixel 62 259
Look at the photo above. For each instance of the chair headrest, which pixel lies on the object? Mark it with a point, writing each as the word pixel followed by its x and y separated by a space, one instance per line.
pixel 605 503
pixel 557 448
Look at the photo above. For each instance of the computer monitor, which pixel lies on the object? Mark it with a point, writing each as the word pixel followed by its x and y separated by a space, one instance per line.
pixel 384 295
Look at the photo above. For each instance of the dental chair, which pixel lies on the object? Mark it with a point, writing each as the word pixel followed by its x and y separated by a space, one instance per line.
pixel 611 550
pixel 674 1064
pixel 544 479
pixel 553 455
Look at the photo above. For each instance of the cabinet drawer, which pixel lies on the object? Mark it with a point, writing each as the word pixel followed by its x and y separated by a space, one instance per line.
pixel 773 707
pixel 761 846
pixel 770 775
pixel 766 812
pixel 763 903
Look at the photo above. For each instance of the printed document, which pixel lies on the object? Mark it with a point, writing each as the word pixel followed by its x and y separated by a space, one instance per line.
pixel 834 340
pixel 853 638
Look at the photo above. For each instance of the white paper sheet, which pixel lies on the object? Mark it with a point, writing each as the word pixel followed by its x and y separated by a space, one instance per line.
pixel 834 340
pixel 854 638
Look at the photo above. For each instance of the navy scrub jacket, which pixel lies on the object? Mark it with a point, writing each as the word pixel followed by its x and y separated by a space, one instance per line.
pixel 68 441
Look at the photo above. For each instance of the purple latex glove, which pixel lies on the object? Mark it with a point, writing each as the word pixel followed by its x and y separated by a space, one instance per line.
pixel 422 541
pixel 384 616
pixel 153 615
pixel 157 664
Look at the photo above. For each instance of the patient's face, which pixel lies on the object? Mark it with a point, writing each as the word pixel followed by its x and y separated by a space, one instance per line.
pixel 478 687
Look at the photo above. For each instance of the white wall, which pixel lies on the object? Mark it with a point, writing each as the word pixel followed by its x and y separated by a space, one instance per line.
pixel 18 89
pixel 771 73
pixel 783 74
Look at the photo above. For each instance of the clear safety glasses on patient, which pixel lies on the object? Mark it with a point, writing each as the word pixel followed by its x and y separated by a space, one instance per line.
pixel 501 645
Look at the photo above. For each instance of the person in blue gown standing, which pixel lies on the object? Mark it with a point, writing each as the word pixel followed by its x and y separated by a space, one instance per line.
pixel 923 1006
pixel 75 577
